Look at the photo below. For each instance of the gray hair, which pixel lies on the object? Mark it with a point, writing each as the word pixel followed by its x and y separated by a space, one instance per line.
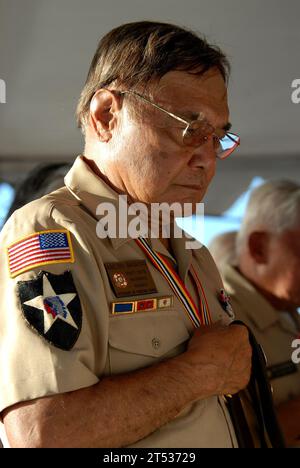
pixel 273 207
pixel 135 55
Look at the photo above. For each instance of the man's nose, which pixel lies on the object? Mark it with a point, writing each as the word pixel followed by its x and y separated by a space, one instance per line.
pixel 204 155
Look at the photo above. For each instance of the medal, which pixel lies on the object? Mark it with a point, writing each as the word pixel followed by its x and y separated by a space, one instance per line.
pixel 225 303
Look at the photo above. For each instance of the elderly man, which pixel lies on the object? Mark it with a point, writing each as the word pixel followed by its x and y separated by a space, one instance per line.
pixel 265 293
pixel 98 340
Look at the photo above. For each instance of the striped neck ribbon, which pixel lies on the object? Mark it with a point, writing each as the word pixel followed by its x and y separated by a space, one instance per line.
pixel 198 317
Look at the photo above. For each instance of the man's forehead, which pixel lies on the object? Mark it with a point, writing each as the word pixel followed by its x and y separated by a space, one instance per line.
pixel 193 92
pixel 190 86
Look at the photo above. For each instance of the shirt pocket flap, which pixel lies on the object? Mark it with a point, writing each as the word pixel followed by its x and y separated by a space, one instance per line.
pixel 149 334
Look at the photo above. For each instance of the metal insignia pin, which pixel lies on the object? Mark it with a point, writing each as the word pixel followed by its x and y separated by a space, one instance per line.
pixel 225 303
pixel 120 280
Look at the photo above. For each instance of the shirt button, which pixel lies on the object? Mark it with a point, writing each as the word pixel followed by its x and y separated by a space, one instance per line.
pixel 155 343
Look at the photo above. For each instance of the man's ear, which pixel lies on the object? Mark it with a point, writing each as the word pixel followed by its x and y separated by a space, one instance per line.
pixel 258 244
pixel 104 107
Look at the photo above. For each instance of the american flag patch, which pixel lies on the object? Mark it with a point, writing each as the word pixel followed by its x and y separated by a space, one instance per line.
pixel 40 248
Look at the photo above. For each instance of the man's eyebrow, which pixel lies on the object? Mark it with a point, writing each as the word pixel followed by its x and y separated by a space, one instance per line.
pixel 195 116
pixel 227 127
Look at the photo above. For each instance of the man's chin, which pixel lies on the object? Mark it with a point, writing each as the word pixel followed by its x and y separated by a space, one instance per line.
pixel 189 199
pixel 195 198
pixel 191 206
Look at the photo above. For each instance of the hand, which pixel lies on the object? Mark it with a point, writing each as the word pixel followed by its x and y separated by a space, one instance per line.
pixel 220 358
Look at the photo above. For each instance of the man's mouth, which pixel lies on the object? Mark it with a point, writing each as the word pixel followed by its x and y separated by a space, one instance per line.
pixel 192 187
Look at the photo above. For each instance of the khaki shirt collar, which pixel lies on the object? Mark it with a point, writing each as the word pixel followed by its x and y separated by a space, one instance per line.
pixel 182 258
pixel 90 190
pixel 257 307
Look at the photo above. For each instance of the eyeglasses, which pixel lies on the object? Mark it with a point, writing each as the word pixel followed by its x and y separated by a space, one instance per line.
pixel 197 132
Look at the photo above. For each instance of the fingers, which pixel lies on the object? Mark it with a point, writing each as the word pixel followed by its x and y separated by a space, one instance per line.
pixel 227 352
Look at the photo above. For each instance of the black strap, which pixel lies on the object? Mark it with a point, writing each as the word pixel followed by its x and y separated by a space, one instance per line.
pixel 239 421
pixel 261 393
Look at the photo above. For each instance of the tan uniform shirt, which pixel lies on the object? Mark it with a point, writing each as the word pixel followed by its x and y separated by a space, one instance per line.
pixel 274 330
pixel 107 344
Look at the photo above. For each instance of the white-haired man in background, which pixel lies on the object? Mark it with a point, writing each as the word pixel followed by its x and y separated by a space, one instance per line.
pixel 265 292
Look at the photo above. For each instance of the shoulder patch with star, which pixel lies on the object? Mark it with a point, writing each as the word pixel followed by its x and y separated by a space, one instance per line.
pixel 51 306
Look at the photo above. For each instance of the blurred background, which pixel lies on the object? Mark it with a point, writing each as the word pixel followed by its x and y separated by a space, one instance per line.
pixel 45 51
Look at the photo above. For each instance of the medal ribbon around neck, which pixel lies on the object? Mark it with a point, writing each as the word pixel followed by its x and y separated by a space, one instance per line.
pixel 203 300
pixel 198 318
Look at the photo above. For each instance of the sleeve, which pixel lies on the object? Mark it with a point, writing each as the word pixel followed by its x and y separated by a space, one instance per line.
pixel 53 337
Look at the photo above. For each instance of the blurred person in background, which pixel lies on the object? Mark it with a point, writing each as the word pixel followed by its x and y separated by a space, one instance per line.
pixel 223 249
pixel 43 179
pixel 264 288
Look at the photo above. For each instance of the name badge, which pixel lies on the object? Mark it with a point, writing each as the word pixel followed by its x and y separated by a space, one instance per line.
pixel 131 278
